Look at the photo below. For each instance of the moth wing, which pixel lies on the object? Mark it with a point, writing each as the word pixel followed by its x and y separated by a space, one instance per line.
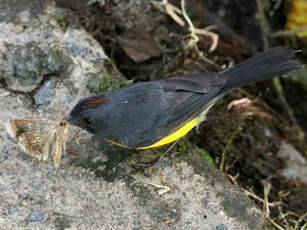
pixel 58 146
pixel 36 143
pixel 39 137
pixel 15 127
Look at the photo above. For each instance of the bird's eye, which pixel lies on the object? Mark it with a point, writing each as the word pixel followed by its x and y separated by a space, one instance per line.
pixel 87 124
pixel 83 107
pixel 87 121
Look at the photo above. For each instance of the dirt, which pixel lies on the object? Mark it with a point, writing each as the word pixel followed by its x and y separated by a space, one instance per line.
pixel 253 153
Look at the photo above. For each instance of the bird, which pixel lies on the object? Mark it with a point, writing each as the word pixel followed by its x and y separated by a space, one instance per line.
pixel 151 114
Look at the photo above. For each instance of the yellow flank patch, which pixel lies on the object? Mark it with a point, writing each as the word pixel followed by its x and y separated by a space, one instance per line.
pixel 115 143
pixel 174 136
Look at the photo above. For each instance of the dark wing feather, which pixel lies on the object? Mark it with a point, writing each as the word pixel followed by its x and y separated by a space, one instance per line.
pixel 197 83
pixel 192 95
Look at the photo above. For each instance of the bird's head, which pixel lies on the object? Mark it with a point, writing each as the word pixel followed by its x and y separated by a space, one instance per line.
pixel 86 112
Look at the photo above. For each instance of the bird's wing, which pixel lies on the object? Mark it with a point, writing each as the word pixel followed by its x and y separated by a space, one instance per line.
pixel 183 99
pixel 197 83
pixel 191 95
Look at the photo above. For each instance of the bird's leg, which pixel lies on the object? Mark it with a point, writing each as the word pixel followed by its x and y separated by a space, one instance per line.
pixel 169 149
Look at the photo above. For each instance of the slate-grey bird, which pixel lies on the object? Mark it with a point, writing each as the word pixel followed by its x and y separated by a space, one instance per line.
pixel 151 114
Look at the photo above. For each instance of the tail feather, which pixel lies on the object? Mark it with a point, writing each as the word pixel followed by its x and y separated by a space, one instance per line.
pixel 263 66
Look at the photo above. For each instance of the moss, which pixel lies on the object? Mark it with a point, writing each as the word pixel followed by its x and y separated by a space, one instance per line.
pixel 110 79
pixel 206 155
pixel 64 19
pixel 28 62
pixel 184 145
pixel 56 62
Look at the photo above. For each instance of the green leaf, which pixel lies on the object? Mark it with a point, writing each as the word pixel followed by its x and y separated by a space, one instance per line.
pixel 206 155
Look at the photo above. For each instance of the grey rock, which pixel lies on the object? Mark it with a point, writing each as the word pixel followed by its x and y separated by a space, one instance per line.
pixel 221 227
pixel 20 12
pixel 30 64
pixel 27 67
pixel 45 93
pixel 296 163
pixel 76 50
pixel 18 213
pixel 36 216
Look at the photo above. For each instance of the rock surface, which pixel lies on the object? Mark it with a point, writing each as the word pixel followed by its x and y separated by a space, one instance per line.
pixel 98 186
pixel 296 163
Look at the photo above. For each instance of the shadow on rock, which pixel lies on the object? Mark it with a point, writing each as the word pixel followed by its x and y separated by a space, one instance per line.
pixel 107 161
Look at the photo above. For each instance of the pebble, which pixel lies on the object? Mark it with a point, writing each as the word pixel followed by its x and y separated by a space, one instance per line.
pixel 36 216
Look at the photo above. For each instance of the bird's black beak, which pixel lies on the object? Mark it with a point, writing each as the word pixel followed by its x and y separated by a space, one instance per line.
pixel 67 118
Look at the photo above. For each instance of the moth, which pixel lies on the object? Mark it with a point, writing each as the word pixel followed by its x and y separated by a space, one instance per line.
pixel 40 137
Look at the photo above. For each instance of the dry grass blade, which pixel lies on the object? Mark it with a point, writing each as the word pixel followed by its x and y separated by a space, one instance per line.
pixel 275 224
pixel 161 188
pixel 300 220
pixel 175 13
pixel 266 207
pixel 239 103
pixel 227 147
pixel 253 195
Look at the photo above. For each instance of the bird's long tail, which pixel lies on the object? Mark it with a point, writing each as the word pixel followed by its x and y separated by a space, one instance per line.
pixel 263 66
